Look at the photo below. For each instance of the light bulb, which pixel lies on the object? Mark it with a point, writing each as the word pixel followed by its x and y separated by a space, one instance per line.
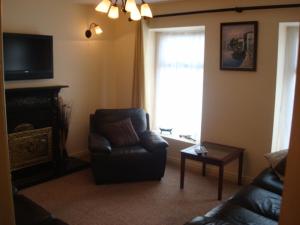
pixel 98 30
pixel 103 6
pixel 130 5
pixel 146 11
pixel 135 14
pixel 113 12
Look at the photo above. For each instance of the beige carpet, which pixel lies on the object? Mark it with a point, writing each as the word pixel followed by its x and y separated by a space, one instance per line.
pixel 78 201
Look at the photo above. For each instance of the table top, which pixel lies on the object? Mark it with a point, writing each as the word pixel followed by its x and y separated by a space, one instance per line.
pixel 216 152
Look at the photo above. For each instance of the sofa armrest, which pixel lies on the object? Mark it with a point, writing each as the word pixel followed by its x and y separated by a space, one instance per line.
pixel 203 220
pixel 28 212
pixel 152 141
pixel 268 180
pixel 98 144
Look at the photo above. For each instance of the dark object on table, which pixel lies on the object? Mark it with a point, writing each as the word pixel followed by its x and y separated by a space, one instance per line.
pixel 216 154
pixel 28 212
pixel 169 130
pixel 201 150
pixel 122 147
pixel 256 204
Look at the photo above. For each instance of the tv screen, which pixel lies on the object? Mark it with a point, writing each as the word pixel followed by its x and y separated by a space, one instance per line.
pixel 27 56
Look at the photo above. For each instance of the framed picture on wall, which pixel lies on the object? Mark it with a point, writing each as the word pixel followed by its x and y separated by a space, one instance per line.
pixel 238 46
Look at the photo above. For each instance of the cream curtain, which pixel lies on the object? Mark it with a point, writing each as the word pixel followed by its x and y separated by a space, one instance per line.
pixel 144 70
pixel 138 92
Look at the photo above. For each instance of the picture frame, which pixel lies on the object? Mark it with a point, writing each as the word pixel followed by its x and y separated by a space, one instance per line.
pixel 238 47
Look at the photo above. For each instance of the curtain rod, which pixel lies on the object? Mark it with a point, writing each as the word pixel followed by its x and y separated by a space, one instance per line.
pixel 235 9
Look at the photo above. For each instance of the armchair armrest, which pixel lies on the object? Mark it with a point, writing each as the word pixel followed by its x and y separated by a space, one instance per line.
pixel 98 144
pixel 152 141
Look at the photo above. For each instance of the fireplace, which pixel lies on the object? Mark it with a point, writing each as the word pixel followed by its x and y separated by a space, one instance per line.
pixel 32 123
pixel 34 136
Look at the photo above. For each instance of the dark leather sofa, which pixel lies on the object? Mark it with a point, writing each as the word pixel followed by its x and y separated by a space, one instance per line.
pixel 28 212
pixel 145 160
pixel 255 204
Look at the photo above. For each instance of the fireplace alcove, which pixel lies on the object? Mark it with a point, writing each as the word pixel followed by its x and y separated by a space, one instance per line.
pixel 33 133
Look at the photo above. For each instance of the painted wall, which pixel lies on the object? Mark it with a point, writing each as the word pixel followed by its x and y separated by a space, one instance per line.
pixel 238 107
pixel 123 59
pixel 81 63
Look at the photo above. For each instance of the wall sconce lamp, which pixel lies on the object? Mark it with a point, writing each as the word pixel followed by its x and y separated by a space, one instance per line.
pixel 93 27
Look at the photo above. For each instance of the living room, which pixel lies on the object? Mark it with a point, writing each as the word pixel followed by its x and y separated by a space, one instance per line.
pixel 238 106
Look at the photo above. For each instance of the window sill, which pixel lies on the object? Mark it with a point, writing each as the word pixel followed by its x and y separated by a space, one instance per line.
pixel 177 138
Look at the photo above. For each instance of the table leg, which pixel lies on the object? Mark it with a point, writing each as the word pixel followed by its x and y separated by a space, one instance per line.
pixel 182 170
pixel 220 185
pixel 240 169
pixel 204 169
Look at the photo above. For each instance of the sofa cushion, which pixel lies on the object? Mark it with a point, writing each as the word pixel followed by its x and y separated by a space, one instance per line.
pixel 237 215
pixel 268 180
pixel 259 200
pixel 121 133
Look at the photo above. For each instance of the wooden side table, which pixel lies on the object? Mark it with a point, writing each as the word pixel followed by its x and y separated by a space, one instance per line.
pixel 218 155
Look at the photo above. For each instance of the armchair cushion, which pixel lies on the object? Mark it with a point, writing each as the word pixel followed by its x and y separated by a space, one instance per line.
pixel 121 133
pixel 151 141
pixel 98 144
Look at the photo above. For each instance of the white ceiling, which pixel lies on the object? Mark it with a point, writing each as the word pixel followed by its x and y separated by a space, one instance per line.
pixel 97 1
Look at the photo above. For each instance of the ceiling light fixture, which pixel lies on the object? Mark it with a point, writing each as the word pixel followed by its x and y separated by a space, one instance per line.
pixel 93 27
pixel 127 6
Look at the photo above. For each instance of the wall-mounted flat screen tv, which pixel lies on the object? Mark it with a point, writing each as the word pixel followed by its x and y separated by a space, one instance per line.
pixel 27 56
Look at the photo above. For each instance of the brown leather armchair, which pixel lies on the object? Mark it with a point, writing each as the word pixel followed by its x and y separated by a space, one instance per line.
pixel 145 160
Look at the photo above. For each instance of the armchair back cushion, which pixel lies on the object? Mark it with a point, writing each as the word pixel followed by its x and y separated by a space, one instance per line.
pixel 103 117
pixel 121 133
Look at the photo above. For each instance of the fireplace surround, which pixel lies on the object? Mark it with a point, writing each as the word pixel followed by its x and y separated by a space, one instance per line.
pixel 33 136
pixel 32 124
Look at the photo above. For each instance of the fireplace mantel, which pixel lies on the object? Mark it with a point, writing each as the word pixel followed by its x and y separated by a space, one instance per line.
pixel 38 88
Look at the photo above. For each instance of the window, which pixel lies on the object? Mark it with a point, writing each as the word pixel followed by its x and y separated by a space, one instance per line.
pixel 285 84
pixel 179 82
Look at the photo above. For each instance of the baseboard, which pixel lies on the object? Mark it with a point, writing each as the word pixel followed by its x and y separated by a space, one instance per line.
pixel 210 170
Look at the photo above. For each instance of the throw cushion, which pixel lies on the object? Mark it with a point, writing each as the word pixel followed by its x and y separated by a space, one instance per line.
pixel 277 162
pixel 121 133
